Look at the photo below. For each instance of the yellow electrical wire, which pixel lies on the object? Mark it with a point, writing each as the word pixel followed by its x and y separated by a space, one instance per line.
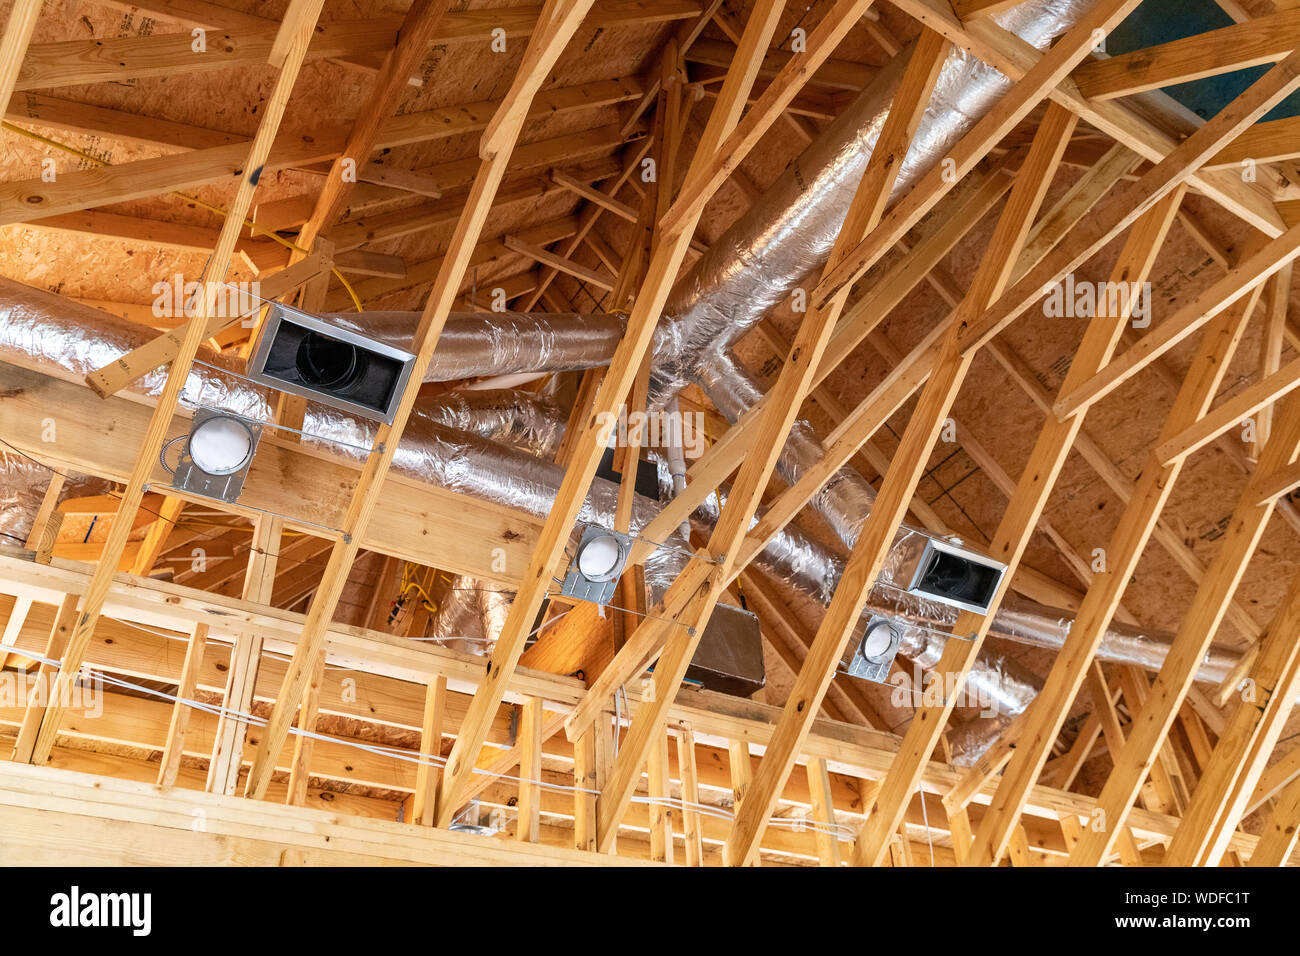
pixel 409 584
pixel 257 230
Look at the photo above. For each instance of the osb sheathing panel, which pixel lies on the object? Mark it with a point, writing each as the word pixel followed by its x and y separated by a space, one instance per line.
pixel 326 92
pixel 1005 421
pixel 993 410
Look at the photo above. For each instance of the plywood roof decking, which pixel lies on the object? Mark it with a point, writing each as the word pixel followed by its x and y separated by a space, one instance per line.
pixel 996 414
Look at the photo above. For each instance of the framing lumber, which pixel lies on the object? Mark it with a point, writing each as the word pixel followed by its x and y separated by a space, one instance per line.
pixel 296 28
pixel 1028 91
pixel 1123 551
pixel 560 19
pixel 785 398
pixel 717 720
pixel 1259 41
pixel 914 451
pixel 14 46
pixel 1152 723
pixel 170 764
pixel 1014 57
pixel 1240 281
pixel 663 269
pixel 35 199
pixel 416 36
pixel 1247 741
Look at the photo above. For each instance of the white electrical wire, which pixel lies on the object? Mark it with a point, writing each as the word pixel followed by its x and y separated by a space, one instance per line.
pixel 839 831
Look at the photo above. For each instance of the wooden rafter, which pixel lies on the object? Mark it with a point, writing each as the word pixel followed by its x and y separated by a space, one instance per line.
pixel 560 19
pixel 663 268
pixel 296 29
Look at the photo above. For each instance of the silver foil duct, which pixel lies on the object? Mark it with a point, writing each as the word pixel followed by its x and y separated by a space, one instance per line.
pixel 498 343
pixel 788 233
pixel 471 614
pixel 522 420
pixel 1029 623
pixel 22 489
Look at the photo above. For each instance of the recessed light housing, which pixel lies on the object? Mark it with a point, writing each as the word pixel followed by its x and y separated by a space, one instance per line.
pixel 600 559
pixel 216 454
pixel 875 650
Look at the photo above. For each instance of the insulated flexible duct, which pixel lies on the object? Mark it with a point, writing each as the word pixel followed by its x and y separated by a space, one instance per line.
pixel 462 441
pixel 787 234
pixel 498 343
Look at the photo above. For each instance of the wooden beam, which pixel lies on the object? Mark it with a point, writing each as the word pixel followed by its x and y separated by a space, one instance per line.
pixel 1278 839
pixel 297 27
pixel 55 644
pixel 702 182
pixel 1122 553
pixel 416 36
pixel 156 538
pixel 114 377
pixel 547 258
pixel 1013 57
pixel 426 779
pixel 1192 640
pixel 561 18
pixel 1230 414
pixel 970 9
pixel 862 753
pixel 127 822
pixel 663 269
pixel 593 195
pixel 13 46
pixel 1027 92
pixel 528 825
pixel 1259 41
pixel 34 199
pixel 1265 142
pixel 1240 281
pixel 170 763
pixel 692 832
pixel 246 654
pixel 659 791
pixel 780 412
pixel 1248 739
pixel 68 116
pixel 819 785
pixel 914 451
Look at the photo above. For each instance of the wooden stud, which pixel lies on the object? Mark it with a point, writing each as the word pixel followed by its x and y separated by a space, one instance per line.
pixel 259 581
pixel 528 826
pixel 660 794
pixel 170 764
pixel 501 133
pixel 823 811
pixel 299 21
pixel 690 784
pixel 64 621
pixel 426 778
